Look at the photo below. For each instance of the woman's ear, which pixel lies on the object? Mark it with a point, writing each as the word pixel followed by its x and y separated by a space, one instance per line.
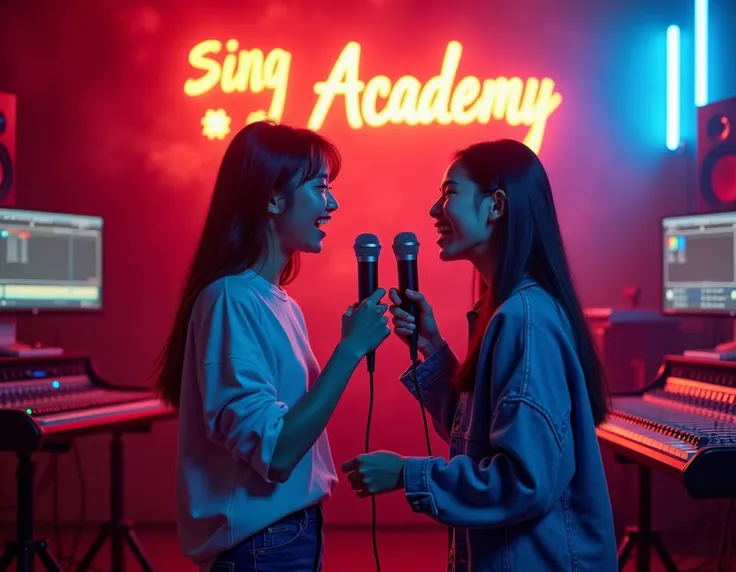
pixel 498 205
pixel 276 204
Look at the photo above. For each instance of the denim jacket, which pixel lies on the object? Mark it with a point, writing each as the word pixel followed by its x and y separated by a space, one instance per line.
pixel 524 489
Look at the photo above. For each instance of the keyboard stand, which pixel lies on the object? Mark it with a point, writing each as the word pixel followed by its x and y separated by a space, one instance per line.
pixel 118 530
pixel 24 549
pixel 642 536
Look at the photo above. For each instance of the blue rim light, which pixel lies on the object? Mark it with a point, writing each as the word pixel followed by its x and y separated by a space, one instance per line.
pixel 673 88
pixel 701 52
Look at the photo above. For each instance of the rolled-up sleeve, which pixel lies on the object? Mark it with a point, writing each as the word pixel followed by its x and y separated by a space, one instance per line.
pixel 239 398
pixel 242 412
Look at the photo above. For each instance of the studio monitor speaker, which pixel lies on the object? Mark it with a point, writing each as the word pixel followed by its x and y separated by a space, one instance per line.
pixel 7 149
pixel 717 156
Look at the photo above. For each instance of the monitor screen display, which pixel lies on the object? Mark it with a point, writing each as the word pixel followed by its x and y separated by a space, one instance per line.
pixel 50 261
pixel 699 264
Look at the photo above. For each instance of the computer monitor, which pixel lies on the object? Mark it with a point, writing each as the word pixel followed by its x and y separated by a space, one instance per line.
pixel 49 262
pixel 699 268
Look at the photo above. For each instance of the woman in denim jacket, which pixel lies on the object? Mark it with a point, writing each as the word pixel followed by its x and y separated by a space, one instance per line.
pixel 524 489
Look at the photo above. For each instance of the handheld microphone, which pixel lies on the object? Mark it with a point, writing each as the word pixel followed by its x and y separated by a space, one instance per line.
pixel 367 248
pixel 406 249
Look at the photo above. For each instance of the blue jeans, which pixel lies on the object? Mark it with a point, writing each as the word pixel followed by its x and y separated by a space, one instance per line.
pixel 292 544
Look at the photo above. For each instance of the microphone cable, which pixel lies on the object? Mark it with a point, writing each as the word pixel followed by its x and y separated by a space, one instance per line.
pixel 371 395
pixel 413 374
pixel 368 450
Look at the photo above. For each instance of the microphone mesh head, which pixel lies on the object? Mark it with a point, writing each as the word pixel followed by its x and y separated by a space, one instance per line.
pixel 367 245
pixel 406 244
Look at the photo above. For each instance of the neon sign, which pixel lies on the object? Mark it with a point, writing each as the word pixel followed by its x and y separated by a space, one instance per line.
pixel 241 70
pixel 375 102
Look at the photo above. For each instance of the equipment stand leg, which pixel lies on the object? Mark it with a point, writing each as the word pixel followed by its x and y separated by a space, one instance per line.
pixel 118 530
pixel 642 536
pixel 25 548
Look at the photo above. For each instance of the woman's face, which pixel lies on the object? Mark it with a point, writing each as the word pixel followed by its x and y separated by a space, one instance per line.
pixel 464 216
pixel 300 226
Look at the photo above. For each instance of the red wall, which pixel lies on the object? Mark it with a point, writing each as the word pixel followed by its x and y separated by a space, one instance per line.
pixel 105 128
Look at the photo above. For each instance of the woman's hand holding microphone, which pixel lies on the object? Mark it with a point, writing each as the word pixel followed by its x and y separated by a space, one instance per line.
pixel 365 325
pixel 429 339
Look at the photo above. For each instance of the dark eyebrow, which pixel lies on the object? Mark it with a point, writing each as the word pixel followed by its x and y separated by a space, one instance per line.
pixel 447 183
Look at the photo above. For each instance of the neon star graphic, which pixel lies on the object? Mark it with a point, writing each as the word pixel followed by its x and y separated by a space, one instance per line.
pixel 215 124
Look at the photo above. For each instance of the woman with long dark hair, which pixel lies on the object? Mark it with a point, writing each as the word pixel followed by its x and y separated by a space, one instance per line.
pixel 254 461
pixel 524 489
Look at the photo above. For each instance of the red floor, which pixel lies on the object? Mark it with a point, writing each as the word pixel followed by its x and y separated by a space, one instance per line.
pixel 346 551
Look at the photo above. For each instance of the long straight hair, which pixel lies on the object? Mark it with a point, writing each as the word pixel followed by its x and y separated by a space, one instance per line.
pixel 262 158
pixel 527 240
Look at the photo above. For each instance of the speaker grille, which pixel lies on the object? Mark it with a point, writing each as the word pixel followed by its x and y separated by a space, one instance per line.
pixel 7 149
pixel 717 155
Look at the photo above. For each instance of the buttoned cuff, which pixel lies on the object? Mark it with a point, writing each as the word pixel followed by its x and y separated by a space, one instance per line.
pixel 440 363
pixel 416 485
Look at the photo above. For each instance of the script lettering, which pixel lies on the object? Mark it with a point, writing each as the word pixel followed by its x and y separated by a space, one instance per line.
pixel 241 71
pixel 379 100
pixel 518 102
